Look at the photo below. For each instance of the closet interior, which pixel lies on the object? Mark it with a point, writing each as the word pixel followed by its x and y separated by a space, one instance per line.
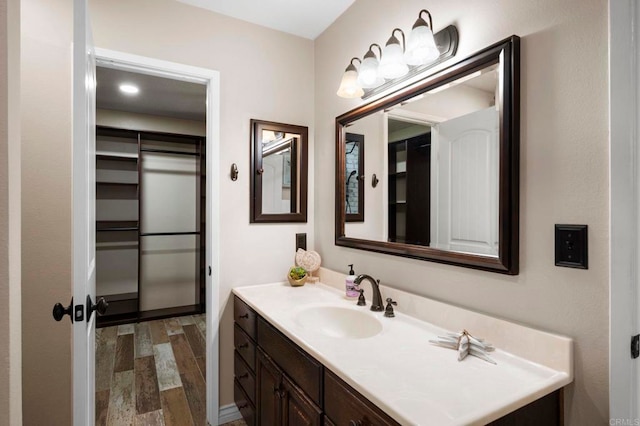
pixel 150 218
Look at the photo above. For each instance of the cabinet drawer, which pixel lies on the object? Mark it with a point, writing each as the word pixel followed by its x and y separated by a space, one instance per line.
pixel 245 377
pixel 306 371
pixel 245 347
pixel 344 405
pixel 244 316
pixel 244 405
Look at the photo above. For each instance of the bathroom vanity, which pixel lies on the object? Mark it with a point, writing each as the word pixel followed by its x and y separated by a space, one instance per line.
pixel 308 356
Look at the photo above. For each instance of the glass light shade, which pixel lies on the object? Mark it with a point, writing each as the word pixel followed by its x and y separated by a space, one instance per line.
pixel 349 87
pixel 368 76
pixel 421 46
pixel 392 64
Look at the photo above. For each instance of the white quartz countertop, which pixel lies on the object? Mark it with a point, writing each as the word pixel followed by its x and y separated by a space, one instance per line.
pixel 413 381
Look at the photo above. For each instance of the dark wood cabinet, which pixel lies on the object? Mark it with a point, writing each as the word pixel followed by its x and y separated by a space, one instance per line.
pixel 297 408
pixel 410 190
pixel 344 406
pixel 278 383
pixel 269 383
pixel 280 401
pixel 244 341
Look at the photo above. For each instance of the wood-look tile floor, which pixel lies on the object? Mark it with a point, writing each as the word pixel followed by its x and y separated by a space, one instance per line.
pixel 152 373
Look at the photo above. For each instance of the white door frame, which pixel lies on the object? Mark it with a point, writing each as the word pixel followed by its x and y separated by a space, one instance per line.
pixel 624 209
pixel 83 216
pixel 210 78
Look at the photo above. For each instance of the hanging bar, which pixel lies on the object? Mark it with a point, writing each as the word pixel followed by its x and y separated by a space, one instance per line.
pixel 162 234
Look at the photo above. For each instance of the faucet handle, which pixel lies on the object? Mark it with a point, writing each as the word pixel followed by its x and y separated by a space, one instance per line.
pixel 388 311
pixel 361 301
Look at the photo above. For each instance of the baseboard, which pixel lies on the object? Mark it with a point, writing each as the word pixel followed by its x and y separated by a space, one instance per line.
pixel 228 413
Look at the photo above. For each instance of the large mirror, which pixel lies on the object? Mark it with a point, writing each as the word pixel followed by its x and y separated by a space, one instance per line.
pixel 279 172
pixel 446 150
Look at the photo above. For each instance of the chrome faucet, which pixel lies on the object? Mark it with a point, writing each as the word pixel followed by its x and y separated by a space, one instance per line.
pixel 376 304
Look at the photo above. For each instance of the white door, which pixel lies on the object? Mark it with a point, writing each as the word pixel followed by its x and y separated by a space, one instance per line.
pixel 84 284
pixel 624 123
pixel 464 156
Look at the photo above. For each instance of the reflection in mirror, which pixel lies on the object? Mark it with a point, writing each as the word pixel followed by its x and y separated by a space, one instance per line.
pixel 354 184
pixel 440 149
pixel 278 184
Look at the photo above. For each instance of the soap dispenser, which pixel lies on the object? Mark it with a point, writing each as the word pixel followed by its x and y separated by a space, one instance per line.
pixel 351 286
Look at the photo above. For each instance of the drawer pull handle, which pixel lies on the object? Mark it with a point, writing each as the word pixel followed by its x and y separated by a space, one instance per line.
pixel 245 316
pixel 243 406
pixel 243 346
pixel 243 376
pixel 355 422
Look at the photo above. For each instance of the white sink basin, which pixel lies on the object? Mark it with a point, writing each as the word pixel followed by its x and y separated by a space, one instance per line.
pixel 334 321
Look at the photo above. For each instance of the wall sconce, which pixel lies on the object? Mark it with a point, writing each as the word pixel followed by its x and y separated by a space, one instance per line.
pixel 392 64
pixel 349 87
pixel 368 75
pixel 399 62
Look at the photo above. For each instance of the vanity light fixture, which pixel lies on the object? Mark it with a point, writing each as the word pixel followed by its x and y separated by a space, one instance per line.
pixel 349 87
pixel 392 64
pixel 399 62
pixel 368 75
pixel 421 47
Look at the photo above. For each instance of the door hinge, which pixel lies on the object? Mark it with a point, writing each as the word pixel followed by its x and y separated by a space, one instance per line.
pixel 635 346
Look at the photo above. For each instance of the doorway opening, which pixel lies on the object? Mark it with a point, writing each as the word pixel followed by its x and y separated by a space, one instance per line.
pixel 156 239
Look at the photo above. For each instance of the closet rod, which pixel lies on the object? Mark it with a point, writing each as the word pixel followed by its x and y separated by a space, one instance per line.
pixel 167 151
pixel 161 234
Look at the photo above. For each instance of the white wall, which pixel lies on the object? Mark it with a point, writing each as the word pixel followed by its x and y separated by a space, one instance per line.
pixel 564 168
pixel 10 309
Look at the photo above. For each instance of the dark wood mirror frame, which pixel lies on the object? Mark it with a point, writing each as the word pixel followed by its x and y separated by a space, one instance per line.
pixel 298 187
pixel 507 55
pixel 358 215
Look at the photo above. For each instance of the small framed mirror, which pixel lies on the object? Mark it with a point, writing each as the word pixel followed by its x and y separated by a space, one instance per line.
pixel 278 172
pixel 354 175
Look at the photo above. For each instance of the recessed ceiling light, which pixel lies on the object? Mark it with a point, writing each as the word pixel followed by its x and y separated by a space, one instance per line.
pixel 129 89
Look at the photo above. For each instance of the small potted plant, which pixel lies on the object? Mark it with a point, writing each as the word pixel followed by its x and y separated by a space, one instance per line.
pixel 297 276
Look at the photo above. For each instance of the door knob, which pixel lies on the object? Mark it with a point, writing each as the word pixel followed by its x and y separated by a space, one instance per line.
pixel 100 307
pixel 60 311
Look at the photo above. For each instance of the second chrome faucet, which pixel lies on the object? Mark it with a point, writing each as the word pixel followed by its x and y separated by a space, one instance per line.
pixel 376 303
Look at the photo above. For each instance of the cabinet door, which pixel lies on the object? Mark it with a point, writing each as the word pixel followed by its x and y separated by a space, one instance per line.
pixel 345 406
pixel 269 392
pixel 298 409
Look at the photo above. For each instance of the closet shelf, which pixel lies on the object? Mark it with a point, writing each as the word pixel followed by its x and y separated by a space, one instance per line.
pixel 116 225
pixel 168 151
pixel 117 183
pixel 120 156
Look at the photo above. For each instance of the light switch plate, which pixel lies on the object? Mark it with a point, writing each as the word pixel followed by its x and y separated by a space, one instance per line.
pixel 301 241
pixel 572 249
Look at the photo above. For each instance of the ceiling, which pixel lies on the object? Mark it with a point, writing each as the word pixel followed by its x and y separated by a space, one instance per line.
pixel 157 96
pixel 304 18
